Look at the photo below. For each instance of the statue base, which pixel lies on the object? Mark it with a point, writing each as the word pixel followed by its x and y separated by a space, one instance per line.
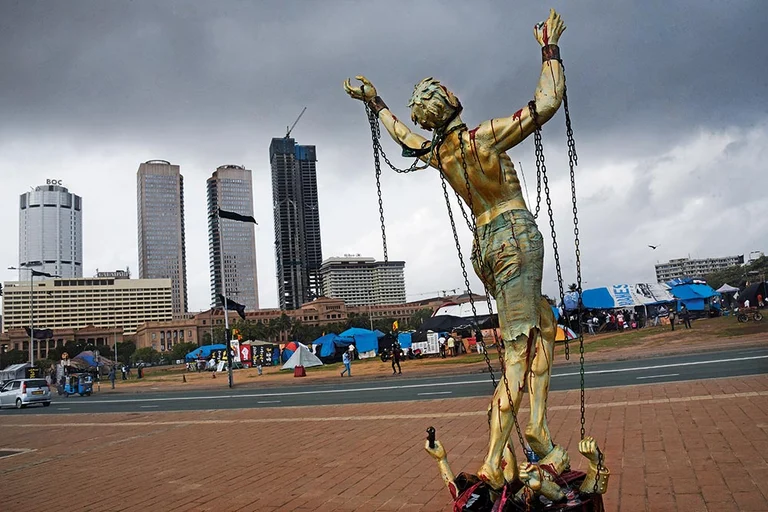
pixel 474 495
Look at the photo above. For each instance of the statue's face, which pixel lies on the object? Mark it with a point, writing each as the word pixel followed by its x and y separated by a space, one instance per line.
pixel 431 113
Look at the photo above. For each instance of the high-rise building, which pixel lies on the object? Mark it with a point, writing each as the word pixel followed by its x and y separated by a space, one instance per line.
pixel 298 249
pixel 230 188
pixel 162 252
pixel 51 231
pixel 686 267
pixel 362 281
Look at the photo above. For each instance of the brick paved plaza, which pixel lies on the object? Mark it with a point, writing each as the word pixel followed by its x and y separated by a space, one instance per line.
pixel 684 447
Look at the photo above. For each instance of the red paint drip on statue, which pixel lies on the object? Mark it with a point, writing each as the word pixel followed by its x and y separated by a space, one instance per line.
pixel 546 37
pixel 453 490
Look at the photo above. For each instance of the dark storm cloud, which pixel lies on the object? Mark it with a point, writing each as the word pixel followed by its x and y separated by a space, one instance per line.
pixel 160 67
pixel 667 98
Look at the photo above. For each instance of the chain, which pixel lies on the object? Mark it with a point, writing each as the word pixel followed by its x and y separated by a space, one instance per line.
pixel 573 161
pixel 376 133
pixel 541 168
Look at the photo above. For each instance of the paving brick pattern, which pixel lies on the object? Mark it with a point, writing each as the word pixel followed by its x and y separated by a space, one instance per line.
pixel 683 447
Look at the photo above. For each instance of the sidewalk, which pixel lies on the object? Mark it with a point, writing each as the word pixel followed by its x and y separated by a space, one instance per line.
pixel 689 446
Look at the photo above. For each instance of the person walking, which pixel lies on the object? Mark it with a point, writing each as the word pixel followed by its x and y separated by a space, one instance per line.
pixel 396 358
pixel 686 316
pixel 451 346
pixel 672 316
pixel 112 376
pixel 347 360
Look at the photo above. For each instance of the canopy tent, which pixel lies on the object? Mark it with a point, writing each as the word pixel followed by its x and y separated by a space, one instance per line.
pixel 464 310
pixel 302 356
pixel 204 352
pixel 726 288
pixel 326 345
pixel 87 359
pixel 364 340
pixel 620 296
pixel 694 296
pixel 14 371
pixel 752 291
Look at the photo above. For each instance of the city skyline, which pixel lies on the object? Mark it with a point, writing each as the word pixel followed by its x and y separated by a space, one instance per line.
pixel 668 155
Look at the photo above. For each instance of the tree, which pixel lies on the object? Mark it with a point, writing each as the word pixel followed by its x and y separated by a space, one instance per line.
pixel 358 320
pixel 418 318
pixel 14 356
pixel 180 350
pixel 125 350
pixel 145 355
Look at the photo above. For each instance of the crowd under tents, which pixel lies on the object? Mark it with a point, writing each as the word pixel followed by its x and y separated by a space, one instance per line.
pixel 620 296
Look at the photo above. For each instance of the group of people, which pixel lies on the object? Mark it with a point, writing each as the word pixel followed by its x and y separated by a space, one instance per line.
pixel 447 346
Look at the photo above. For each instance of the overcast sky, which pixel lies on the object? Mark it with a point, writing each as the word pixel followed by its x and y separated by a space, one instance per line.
pixel 668 101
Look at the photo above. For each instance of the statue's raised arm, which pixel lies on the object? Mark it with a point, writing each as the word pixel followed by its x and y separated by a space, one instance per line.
pixel 397 130
pixel 507 132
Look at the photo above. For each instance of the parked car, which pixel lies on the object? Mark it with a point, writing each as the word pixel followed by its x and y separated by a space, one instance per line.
pixel 20 393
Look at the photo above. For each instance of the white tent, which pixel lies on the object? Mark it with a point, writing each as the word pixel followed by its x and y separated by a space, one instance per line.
pixel 464 310
pixel 726 288
pixel 15 371
pixel 302 357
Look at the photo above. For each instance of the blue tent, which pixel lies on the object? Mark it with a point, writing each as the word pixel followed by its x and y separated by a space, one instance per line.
pixel 404 338
pixel 694 296
pixel 326 344
pixel 204 351
pixel 364 340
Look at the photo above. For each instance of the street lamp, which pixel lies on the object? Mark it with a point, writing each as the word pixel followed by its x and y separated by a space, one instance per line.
pixel 32 274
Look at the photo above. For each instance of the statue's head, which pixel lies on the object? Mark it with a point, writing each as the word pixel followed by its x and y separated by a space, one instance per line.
pixel 432 105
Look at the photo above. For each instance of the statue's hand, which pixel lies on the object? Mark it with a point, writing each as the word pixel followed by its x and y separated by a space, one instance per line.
pixel 588 448
pixel 366 92
pixel 438 452
pixel 549 31
pixel 530 475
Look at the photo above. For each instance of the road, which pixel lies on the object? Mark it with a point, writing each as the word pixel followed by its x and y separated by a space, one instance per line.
pixel 728 363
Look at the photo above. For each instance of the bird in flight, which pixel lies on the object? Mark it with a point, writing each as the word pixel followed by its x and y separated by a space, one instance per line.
pixel 653 246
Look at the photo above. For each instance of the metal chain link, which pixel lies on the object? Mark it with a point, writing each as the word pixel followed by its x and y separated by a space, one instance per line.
pixel 573 161
pixel 376 133
pixel 541 168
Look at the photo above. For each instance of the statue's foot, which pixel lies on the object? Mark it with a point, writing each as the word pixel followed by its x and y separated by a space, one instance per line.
pixel 493 476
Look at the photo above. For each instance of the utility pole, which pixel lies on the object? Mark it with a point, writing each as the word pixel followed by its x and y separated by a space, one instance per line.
pixel 230 355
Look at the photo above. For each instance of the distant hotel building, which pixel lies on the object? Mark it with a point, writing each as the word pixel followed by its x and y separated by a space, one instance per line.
pixel 230 188
pixel 686 267
pixel 362 281
pixel 298 250
pixel 51 231
pixel 76 303
pixel 162 251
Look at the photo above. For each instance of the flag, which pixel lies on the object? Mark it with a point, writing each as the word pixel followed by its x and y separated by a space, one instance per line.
pixel 233 306
pixel 40 334
pixel 395 325
pixel 236 216
pixel 39 273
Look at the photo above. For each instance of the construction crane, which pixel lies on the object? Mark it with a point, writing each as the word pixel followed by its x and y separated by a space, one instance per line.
pixel 289 129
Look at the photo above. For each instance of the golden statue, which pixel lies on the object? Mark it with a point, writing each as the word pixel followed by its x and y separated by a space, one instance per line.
pixel 507 256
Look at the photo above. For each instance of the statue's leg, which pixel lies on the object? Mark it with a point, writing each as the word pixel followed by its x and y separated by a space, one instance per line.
pixel 501 415
pixel 537 432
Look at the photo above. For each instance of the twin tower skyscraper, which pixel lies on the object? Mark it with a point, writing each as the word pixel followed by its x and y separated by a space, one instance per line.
pixel 232 249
